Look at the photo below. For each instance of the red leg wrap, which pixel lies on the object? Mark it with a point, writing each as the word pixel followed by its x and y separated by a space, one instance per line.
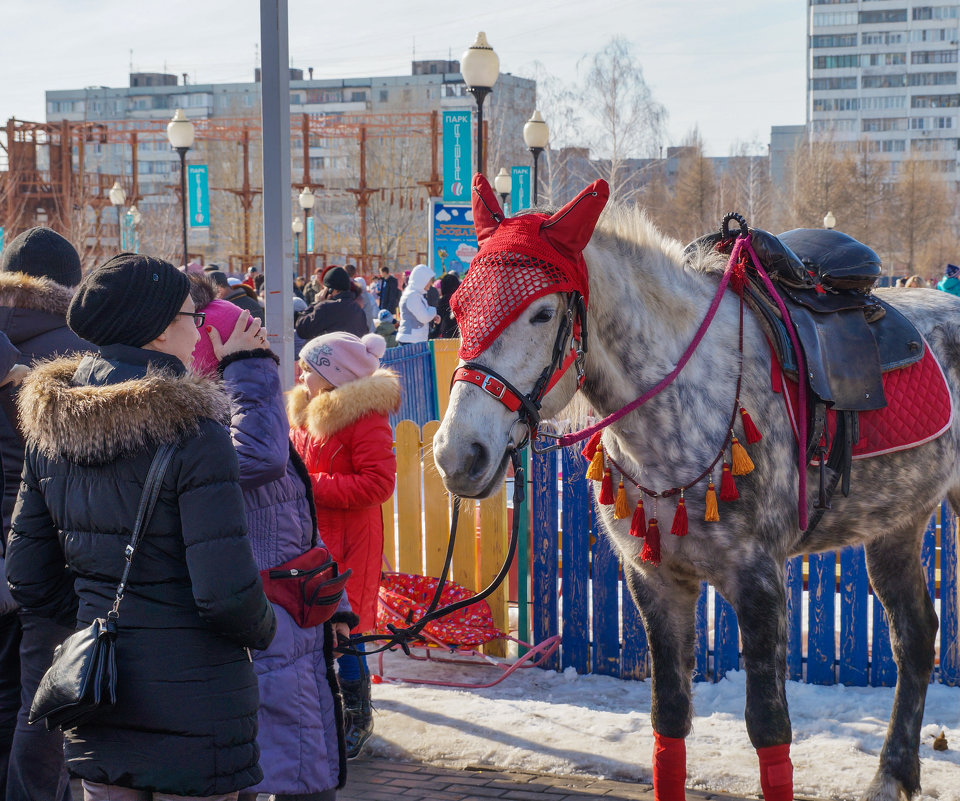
pixel 669 768
pixel 776 773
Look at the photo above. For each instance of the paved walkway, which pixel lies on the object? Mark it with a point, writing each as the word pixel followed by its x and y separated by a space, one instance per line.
pixel 385 780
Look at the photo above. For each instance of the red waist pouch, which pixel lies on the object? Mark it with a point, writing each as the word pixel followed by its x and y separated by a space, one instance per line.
pixel 309 586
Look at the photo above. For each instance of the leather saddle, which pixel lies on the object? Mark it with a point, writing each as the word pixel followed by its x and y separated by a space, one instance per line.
pixel 848 336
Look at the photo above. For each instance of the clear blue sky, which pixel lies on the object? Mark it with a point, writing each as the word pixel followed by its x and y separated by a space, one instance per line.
pixel 732 69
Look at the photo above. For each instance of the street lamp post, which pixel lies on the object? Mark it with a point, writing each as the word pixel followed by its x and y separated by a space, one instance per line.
pixel 306 199
pixel 297 226
pixel 117 198
pixel 535 135
pixel 503 183
pixel 480 67
pixel 829 221
pixel 180 135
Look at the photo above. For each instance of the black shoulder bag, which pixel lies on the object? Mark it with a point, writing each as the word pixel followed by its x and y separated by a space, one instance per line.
pixel 83 675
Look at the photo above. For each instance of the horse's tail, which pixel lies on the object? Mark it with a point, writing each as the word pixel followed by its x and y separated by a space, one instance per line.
pixel 953 498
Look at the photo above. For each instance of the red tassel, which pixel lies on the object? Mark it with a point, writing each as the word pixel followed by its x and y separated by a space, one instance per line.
pixel 638 524
pixel 728 489
pixel 679 526
pixel 651 543
pixel 750 432
pixel 591 447
pixel 606 488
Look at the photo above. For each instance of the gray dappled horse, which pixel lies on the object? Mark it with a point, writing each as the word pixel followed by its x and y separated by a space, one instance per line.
pixel 646 300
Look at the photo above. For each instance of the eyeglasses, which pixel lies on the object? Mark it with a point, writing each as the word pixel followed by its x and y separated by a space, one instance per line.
pixel 198 317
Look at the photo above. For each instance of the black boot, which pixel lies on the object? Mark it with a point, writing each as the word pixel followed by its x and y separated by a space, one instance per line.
pixel 357 713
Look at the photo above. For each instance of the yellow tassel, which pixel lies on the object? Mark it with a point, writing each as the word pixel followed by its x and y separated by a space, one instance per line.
pixel 740 461
pixel 621 509
pixel 595 470
pixel 711 515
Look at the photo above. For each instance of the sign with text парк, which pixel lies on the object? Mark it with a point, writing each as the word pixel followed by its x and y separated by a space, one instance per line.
pixel 457 156
pixel 519 189
pixel 453 239
pixel 198 191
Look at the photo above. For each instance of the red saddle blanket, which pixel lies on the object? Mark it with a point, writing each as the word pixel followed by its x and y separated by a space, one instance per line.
pixel 919 408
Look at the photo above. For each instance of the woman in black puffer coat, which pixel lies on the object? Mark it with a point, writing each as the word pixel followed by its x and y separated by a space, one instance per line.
pixel 185 722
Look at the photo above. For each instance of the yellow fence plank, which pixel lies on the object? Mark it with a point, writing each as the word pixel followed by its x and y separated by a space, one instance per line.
pixel 493 550
pixel 436 507
pixel 410 527
pixel 464 570
pixel 445 361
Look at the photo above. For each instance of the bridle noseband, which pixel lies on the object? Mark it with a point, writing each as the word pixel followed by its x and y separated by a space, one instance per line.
pixel 573 327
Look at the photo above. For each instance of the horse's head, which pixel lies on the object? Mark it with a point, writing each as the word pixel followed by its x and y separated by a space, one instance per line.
pixel 522 315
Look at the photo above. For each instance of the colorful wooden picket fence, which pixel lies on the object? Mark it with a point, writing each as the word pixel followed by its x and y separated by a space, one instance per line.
pixel 575 585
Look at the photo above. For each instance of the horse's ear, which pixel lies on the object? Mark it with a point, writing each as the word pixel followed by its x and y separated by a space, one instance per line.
pixel 487 214
pixel 570 229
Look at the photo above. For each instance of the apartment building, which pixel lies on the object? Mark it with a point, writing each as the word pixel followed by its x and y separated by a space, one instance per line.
pixel 886 71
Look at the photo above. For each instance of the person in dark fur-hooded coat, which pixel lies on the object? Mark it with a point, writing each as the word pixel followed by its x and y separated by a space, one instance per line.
pixel 185 721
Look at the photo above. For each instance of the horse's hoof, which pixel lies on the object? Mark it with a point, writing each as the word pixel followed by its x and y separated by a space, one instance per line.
pixel 884 788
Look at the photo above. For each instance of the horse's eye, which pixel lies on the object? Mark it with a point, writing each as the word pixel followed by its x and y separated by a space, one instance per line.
pixel 542 316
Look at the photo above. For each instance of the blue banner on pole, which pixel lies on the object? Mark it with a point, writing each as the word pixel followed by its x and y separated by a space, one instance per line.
pixel 199 193
pixel 309 234
pixel 453 239
pixel 519 189
pixel 1 237
pixel 457 156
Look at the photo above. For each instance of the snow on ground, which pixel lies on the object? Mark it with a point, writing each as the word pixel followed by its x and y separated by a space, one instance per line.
pixel 542 721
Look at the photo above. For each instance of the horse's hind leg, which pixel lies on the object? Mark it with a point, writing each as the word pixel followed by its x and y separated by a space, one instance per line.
pixel 667 604
pixel 761 605
pixel 893 564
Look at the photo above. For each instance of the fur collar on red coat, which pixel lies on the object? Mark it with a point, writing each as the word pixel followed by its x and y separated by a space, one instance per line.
pixel 333 411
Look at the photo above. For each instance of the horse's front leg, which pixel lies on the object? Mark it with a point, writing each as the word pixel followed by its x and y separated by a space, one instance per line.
pixel 761 605
pixel 667 605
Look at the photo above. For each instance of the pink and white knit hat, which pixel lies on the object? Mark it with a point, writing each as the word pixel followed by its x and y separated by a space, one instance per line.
pixel 341 357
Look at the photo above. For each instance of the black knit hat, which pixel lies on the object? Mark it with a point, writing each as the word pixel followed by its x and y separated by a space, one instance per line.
pixel 129 300
pixel 42 253
pixel 336 278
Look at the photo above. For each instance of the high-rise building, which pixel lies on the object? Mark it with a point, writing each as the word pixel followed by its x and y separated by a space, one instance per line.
pixel 885 71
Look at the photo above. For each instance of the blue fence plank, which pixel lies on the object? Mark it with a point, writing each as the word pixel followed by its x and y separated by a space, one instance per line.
pixel 794 618
pixel 726 644
pixel 821 643
pixel 634 655
pixel 545 579
pixel 949 634
pixel 883 671
pixel 413 363
pixel 701 667
pixel 606 613
pixel 854 600
pixel 575 550
pixel 928 557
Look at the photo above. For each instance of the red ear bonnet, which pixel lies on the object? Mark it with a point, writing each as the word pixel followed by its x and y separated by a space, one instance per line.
pixel 521 259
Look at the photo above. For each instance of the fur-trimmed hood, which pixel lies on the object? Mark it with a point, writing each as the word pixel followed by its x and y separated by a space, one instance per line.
pixel 95 424
pixel 22 291
pixel 333 411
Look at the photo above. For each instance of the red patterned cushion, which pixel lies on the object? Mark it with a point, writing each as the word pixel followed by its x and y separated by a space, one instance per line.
pixel 918 408
pixel 404 599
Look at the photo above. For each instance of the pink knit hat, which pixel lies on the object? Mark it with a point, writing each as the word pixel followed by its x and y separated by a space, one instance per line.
pixel 341 357
pixel 222 315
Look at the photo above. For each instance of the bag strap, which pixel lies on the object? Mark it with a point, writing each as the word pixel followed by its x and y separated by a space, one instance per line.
pixel 148 500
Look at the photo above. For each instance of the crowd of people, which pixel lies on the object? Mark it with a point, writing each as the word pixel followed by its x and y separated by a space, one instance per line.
pixel 223 693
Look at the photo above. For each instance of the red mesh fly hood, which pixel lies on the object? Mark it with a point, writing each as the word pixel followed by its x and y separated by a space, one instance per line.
pixel 521 259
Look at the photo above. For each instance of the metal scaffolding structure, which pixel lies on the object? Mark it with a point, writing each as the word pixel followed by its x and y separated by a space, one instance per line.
pixel 376 171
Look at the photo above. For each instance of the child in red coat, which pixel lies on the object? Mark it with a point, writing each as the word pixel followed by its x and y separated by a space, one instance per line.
pixel 339 425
